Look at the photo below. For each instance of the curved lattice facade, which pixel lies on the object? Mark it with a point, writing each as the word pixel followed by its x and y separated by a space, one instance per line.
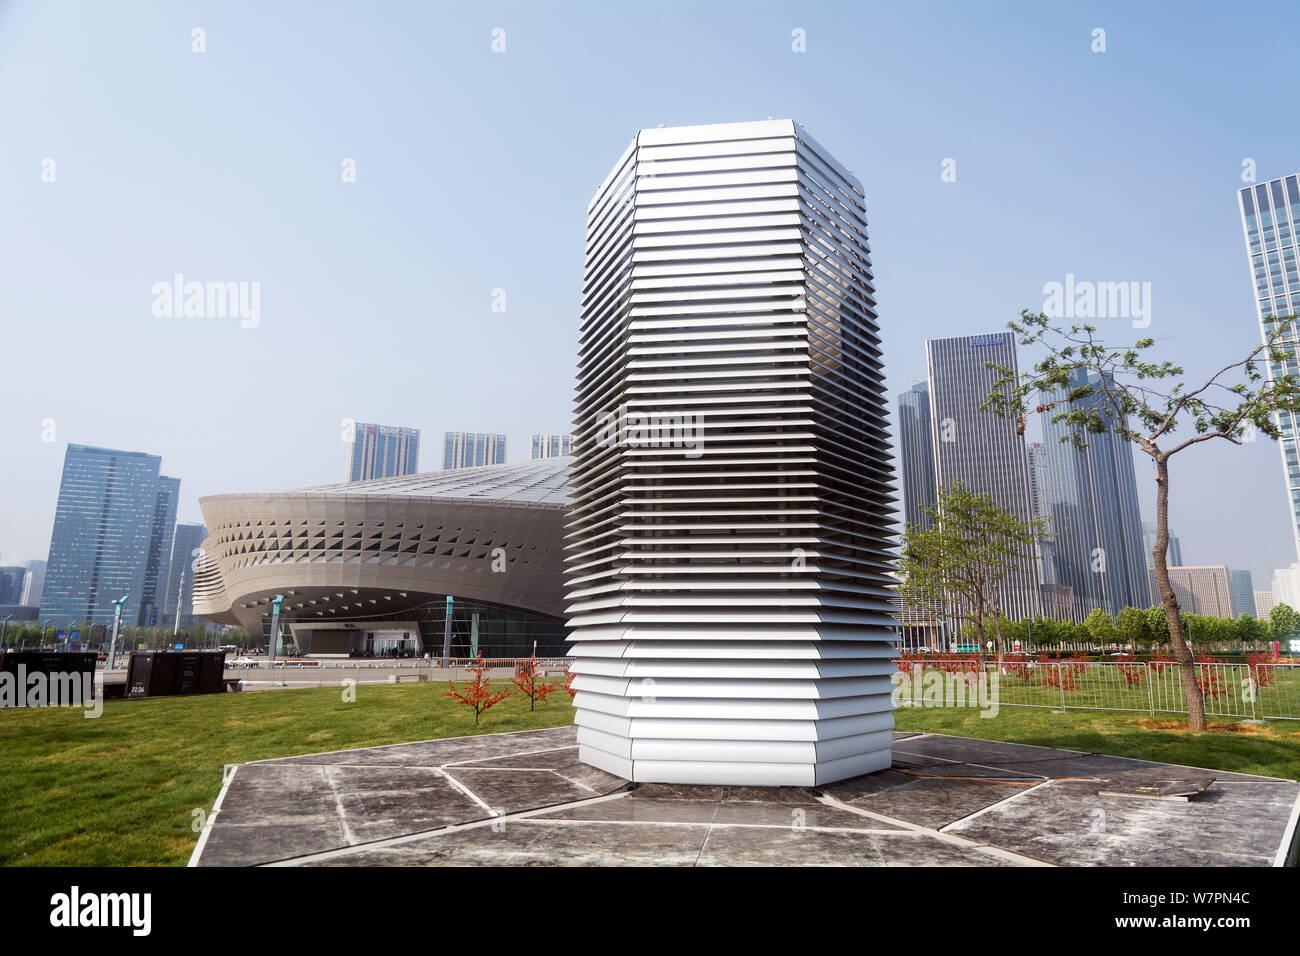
pixel 391 549
pixel 729 536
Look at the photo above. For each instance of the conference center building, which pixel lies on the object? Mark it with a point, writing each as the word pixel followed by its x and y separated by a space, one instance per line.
pixel 365 568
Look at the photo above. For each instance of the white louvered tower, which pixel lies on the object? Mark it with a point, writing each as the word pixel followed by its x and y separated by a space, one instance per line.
pixel 730 520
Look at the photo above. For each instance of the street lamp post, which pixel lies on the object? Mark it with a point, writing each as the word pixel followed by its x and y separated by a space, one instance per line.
pixel 446 635
pixel 45 624
pixel 275 626
pixel 4 627
pixel 117 623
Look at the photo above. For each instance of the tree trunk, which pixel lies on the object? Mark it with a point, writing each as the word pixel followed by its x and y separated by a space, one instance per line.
pixel 1182 654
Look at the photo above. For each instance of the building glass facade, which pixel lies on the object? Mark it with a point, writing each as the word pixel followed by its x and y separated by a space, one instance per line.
pixel 1174 556
pixel 103 525
pixel 180 582
pixel 981 448
pixel 916 455
pixel 1090 495
pixel 1270 218
pixel 158 564
pixel 1243 593
pixel 551 446
pixel 383 451
pixel 472 449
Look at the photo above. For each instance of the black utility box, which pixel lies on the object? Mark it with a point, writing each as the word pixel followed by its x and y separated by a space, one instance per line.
pixel 169 673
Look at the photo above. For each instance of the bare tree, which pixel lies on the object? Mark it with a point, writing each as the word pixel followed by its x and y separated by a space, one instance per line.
pixel 1102 389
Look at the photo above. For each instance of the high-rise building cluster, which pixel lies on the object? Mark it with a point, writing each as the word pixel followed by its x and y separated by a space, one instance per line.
pixel 114 526
pixel 1098 552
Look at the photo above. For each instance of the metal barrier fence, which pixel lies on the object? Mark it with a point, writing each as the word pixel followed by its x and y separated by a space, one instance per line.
pixel 1242 691
pixel 322 673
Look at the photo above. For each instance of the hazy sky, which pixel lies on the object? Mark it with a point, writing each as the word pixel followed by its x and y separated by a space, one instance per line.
pixel 473 171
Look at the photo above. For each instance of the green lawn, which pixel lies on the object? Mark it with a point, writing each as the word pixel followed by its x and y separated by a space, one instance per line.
pixel 119 790
pixel 1271 749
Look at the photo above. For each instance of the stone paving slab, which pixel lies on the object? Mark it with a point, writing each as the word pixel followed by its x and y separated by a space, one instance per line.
pixel 526 799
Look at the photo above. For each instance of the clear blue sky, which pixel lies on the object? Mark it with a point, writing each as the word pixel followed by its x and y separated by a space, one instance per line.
pixel 473 173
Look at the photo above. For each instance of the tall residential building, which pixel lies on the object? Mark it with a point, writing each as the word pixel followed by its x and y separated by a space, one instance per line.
pixel 471 449
pixel 916 456
pixel 981 448
pixel 34 583
pixel 1091 497
pixel 1174 556
pixel 180 584
pixel 103 528
pixel 158 564
pixel 1270 218
pixel 552 446
pixel 1243 593
pixel 11 584
pixel 730 520
pixel 383 451
pixel 1208 590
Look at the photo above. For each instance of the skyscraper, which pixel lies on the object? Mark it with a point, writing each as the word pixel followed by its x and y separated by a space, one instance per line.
pixel 1208 590
pixel 34 583
pixel 1091 497
pixel 1036 459
pixel 471 449
pixel 1270 218
pixel 383 451
pixel 916 456
pixel 731 511
pixel 981 448
pixel 103 526
pixel 158 563
pixel 11 584
pixel 1174 556
pixel 552 446
pixel 1243 593
pixel 180 583
pixel 1264 602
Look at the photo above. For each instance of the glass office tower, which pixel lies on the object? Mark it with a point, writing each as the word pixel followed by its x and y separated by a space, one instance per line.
pixel 1090 495
pixel 916 456
pixel 180 583
pixel 981 448
pixel 103 528
pixel 158 564
pixel 383 451
pixel 472 449
pixel 1270 217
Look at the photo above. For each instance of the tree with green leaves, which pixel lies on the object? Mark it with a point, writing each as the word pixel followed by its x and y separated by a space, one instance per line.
pixel 1284 622
pixel 1251 630
pixel 1131 622
pixel 1101 628
pixel 959 561
pixel 1096 388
